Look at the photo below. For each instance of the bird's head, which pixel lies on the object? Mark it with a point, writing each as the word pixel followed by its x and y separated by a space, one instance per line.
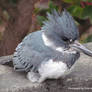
pixel 61 31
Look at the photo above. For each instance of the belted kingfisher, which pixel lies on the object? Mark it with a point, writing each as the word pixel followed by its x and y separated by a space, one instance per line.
pixel 50 52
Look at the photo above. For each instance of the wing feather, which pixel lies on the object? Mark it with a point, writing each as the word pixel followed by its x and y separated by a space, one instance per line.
pixel 27 55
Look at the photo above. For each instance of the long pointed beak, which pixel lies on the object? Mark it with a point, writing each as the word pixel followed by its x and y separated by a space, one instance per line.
pixel 80 47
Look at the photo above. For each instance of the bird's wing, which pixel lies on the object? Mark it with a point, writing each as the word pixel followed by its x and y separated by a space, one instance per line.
pixel 29 53
pixel 70 58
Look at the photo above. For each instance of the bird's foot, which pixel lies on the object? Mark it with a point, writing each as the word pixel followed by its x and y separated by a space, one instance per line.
pixel 33 77
pixel 41 79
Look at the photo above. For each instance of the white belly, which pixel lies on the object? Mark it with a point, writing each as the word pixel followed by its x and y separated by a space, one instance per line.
pixel 52 69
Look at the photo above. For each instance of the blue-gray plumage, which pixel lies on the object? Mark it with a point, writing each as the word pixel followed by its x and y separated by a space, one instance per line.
pixel 50 52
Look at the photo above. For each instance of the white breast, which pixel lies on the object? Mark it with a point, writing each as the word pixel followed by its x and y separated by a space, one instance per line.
pixel 53 69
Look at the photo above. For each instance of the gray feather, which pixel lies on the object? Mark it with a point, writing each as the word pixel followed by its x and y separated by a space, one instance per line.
pixel 63 23
pixel 30 52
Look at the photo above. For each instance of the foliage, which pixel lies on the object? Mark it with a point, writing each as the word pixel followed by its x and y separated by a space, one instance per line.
pixel 14 2
pixel 52 6
pixel 79 9
pixel 76 8
pixel 38 12
pixel 41 19
pixel 72 1
pixel 88 39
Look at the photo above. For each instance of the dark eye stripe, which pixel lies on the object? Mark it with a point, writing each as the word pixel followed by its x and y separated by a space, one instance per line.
pixel 65 38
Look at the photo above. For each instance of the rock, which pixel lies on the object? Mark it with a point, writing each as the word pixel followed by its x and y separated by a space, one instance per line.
pixel 79 79
pixel 6 60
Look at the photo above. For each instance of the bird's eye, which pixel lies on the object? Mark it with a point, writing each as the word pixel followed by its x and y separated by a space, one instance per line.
pixel 65 39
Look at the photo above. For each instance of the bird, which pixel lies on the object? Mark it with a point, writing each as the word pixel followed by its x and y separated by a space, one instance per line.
pixel 50 52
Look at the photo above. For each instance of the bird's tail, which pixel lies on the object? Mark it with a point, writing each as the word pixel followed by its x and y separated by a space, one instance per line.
pixel 6 60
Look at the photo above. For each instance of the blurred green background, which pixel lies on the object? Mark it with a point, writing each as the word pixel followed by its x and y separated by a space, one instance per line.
pixel 81 10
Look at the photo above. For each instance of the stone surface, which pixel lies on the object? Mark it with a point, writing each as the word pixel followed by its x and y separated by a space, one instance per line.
pixel 79 79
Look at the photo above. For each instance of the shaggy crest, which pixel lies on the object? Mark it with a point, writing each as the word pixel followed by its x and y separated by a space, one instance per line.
pixel 61 22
